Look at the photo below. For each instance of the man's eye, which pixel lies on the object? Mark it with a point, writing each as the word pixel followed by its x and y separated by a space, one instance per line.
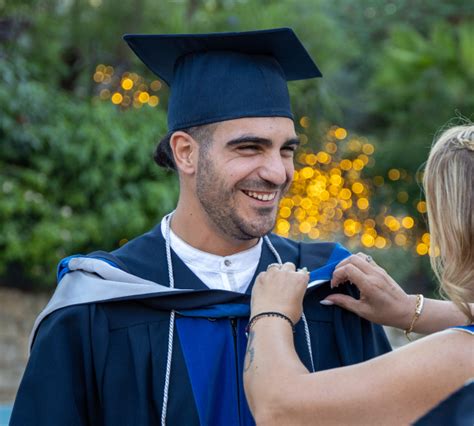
pixel 289 149
pixel 248 148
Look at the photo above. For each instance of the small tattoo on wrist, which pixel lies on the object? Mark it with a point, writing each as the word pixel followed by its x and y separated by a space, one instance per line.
pixel 249 355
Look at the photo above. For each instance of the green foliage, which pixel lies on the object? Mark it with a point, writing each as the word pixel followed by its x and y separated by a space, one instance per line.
pixel 420 82
pixel 76 175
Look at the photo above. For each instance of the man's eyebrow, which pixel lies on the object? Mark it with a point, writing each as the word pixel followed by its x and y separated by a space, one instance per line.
pixel 260 141
pixel 249 138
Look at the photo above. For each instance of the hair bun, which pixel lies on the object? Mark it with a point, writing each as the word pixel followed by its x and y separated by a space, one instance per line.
pixel 465 139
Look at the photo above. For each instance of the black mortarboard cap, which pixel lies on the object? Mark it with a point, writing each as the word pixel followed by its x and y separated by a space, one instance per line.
pixel 222 76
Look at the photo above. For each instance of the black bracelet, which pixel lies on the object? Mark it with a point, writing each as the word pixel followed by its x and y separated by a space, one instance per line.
pixel 267 314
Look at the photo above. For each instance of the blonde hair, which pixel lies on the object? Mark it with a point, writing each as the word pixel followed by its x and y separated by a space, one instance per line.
pixel 448 182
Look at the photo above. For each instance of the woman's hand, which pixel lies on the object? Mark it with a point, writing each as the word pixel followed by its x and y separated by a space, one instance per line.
pixel 382 300
pixel 280 289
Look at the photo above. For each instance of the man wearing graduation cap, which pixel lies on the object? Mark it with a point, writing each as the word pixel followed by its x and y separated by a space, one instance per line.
pixel 154 332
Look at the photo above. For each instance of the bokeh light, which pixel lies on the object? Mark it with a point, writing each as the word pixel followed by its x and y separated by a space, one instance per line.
pixel 304 122
pixel 127 83
pixel 421 206
pixel 117 98
pixel 330 197
pixel 128 90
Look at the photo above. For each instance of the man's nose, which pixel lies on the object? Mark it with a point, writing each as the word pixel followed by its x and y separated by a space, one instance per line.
pixel 275 170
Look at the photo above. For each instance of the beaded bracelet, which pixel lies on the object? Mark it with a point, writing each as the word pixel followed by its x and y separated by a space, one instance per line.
pixel 255 318
pixel 418 309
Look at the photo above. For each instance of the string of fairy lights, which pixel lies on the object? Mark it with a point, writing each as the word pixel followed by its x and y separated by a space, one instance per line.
pixel 331 195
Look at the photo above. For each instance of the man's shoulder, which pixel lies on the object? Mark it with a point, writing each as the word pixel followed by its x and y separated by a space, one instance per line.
pixel 67 321
pixel 71 313
pixel 141 243
pixel 136 255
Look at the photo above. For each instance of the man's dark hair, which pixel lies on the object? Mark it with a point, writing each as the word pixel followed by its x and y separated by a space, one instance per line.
pixel 163 154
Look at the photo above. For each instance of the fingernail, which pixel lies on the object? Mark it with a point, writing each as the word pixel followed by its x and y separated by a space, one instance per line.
pixel 304 270
pixel 326 302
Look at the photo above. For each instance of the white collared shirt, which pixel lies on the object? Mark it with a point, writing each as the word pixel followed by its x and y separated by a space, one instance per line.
pixel 232 273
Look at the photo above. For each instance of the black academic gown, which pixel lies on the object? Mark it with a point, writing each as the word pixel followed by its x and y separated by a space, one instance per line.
pixel 104 363
pixel 455 410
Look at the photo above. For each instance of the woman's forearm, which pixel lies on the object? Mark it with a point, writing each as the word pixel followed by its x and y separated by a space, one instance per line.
pixel 383 301
pixel 268 371
pixel 280 390
pixel 438 315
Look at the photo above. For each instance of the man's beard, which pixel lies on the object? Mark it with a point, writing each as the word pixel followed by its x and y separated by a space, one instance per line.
pixel 219 203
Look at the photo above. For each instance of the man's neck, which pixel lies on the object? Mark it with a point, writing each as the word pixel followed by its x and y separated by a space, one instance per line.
pixel 195 229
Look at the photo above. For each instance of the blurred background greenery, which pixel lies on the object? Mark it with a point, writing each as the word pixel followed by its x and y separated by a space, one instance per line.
pixel 80 116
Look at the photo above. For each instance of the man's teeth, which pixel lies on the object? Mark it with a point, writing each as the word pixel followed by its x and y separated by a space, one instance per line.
pixel 260 196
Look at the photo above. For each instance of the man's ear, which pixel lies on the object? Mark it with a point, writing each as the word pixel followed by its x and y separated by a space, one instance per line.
pixel 185 151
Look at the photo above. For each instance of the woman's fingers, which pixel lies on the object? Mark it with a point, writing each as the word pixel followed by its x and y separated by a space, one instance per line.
pixel 344 301
pixel 349 272
pixel 282 274
pixel 367 258
pixel 280 289
pixel 288 266
pixel 360 260
pixel 382 300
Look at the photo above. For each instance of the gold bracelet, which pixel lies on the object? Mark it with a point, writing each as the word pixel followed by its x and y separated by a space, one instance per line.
pixel 418 309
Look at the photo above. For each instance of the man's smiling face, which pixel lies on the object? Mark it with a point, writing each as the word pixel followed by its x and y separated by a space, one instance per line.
pixel 243 173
